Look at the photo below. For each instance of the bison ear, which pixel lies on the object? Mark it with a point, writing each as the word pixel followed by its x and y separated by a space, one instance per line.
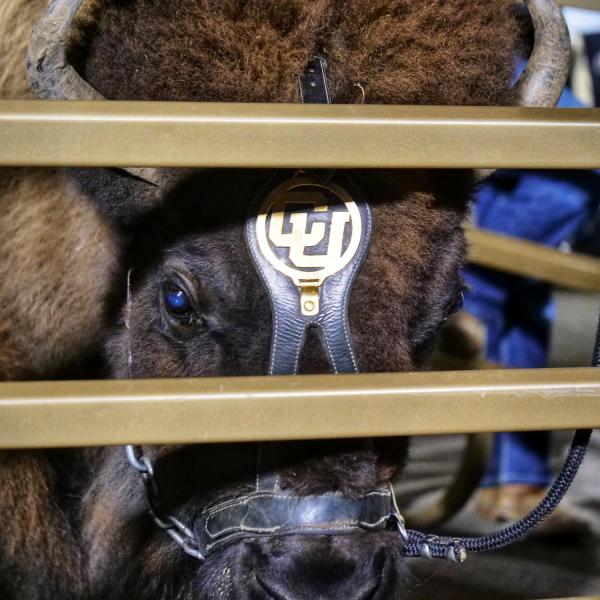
pixel 392 455
pixel 117 194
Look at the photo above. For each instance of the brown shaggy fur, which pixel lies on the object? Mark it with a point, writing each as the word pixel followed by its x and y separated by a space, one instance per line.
pixel 17 18
pixel 57 258
pixel 39 557
pixel 57 255
pixel 39 554
pixel 381 51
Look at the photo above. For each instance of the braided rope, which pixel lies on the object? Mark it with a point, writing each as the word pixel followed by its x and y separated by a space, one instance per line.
pixel 421 544
pixel 432 546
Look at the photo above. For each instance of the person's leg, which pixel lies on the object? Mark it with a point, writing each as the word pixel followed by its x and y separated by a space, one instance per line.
pixel 547 208
pixel 517 475
pixel 518 472
pixel 518 465
pixel 519 457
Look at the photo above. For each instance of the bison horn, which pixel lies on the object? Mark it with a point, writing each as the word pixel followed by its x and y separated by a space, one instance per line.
pixel 51 77
pixel 544 78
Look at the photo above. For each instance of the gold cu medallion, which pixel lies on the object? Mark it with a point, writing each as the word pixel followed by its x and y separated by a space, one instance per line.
pixel 308 231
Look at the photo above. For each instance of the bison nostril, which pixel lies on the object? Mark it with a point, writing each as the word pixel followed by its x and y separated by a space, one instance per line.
pixel 323 567
pixel 285 588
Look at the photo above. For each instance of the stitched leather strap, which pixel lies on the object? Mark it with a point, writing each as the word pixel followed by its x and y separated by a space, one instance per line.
pixel 272 513
pixel 313 83
pixel 308 238
pixel 312 218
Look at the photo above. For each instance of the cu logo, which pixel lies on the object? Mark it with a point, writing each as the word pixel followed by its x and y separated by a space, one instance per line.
pixel 308 230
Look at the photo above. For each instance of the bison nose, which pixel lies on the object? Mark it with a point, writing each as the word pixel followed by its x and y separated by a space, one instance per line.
pixel 320 569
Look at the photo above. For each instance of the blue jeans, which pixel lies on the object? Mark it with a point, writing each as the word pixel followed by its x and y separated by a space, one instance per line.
pixel 519 458
pixel 548 207
pixel 517 314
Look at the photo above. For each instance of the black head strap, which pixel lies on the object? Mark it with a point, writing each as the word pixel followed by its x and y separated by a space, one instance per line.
pixel 308 234
pixel 308 239
pixel 312 83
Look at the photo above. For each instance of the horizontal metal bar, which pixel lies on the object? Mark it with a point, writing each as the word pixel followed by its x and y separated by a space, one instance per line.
pixel 521 257
pixel 155 134
pixel 89 413
pixel 589 4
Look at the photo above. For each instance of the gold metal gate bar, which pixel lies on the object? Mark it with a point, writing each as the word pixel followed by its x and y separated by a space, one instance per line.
pixel 154 134
pixel 521 257
pixel 89 413
pixel 589 4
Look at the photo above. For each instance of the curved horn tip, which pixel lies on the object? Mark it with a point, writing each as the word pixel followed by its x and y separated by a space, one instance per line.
pixel 546 74
pixel 50 75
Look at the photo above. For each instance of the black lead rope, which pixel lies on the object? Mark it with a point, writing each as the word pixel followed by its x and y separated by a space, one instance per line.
pixel 596 355
pixel 432 546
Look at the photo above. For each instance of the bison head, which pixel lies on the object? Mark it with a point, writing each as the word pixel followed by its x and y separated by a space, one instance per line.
pixel 196 306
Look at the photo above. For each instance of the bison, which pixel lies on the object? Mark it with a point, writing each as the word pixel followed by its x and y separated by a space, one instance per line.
pixel 74 523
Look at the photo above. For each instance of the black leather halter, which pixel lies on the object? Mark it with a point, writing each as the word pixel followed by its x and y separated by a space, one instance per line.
pixel 279 513
pixel 280 224
pixel 308 234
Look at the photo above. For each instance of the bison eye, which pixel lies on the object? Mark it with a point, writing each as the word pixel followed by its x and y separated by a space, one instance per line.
pixel 459 302
pixel 177 302
pixel 455 305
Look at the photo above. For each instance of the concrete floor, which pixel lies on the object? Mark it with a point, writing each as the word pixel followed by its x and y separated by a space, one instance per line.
pixel 574 332
pixel 536 567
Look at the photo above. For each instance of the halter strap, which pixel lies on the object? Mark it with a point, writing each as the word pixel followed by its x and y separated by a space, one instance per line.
pixel 279 513
pixel 308 236
pixel 312 84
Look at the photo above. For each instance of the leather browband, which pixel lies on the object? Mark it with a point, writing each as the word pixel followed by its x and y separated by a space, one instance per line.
pixel 308 234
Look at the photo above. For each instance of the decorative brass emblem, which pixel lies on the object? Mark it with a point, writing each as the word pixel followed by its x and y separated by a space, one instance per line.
pixel 308 230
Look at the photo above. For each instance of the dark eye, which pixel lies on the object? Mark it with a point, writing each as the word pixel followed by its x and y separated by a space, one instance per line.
pixel 459 302
pixel 455 305
pixel 177 301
